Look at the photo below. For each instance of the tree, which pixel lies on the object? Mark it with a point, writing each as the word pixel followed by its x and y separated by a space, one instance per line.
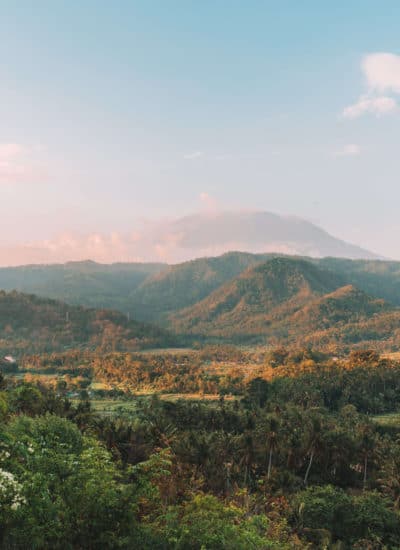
pixel 257 392
pixel 205 522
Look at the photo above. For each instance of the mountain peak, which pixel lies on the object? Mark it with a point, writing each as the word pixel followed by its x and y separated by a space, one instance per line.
pixel 193 236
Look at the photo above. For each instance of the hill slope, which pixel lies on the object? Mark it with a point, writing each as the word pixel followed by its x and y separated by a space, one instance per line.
pixel 344 305
pixel 85 283
pixel 256 298
pixel 151 292
pixel 183 285
pixel 32 324
pixel 294 302
pixel 376 277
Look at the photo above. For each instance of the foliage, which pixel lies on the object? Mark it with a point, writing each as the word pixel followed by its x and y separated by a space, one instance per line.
pixel 32 324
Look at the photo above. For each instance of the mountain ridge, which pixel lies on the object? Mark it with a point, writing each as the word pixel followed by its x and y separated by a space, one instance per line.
pixel 29 323
pixel 188 237
pixel 290 301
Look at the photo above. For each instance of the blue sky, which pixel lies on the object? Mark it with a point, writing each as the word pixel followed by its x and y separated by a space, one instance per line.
pixel 115 112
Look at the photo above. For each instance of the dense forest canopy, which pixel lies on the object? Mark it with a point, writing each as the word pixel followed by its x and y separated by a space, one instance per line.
pixel 239 297
pixel 294 461
pixel 29 323
pixel 150 291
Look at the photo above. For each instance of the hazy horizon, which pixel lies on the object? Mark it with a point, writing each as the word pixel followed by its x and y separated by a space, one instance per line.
pixel 203 234
pixel 117 119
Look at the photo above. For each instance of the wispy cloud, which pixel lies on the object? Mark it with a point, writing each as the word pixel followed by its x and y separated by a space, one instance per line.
pixel 17 165
pixel 382 76
pixel 377 106
pixel 349 150
pixel 194 155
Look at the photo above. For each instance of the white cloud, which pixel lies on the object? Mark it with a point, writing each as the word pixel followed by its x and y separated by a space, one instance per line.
pixel 16 164
pixel 382 76
pixel 194 155
pixel 382 71
pixel 349 150
pixel 377 106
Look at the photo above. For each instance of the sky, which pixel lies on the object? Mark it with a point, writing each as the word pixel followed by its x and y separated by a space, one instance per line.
pixel 116 113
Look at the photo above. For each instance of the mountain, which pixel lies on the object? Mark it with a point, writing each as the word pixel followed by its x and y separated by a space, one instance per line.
pixel 182 285
pixel 257 232
pixel 235 297
pixel 376 277
pixel 84 283
pixel 152 292
pixel 291 301
pixel 255 299
pixel 32 324
pixel 347 304
pixel 189 237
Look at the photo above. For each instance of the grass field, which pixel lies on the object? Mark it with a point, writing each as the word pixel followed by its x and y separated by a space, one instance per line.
pixel 391 419
pixel 111 407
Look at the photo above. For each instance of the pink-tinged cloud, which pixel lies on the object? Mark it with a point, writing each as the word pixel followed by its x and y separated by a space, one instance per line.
pixel 382 77
pixel 349 150
pixel 382 72
pixel 18 164
pixel 198 235
pixel 377 106
pixel 209 203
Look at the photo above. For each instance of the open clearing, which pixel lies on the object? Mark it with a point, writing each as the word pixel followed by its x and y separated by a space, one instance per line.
pixel 390 419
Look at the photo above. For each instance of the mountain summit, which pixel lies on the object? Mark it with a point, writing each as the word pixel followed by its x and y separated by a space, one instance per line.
pixel 257 232
pixel 194 236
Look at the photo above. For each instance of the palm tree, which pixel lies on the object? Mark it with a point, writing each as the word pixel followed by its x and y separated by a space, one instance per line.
pixel 271 440
pixel 367 443
pixel 315 440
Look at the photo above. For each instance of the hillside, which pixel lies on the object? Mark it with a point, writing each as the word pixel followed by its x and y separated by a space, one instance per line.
pixel 153 292
pixel 83 283
pixel 344 305
pixel 258 297
pixel 183 285
pixel 32 324
pixel 294 302
pixel 376 277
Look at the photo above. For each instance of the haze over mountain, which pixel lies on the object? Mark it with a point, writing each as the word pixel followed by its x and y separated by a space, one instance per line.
pixel 153 291
pixel 194 236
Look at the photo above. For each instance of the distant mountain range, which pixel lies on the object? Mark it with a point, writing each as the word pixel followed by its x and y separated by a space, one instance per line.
pixel 190 237
pixel 236 297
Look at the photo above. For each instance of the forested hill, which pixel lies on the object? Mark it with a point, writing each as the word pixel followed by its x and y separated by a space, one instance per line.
pixel 280 285
pixel 183 285
pixel 32 324
pixel 82 283
pixel 376 277
pixel 152 292
pixel 291 301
